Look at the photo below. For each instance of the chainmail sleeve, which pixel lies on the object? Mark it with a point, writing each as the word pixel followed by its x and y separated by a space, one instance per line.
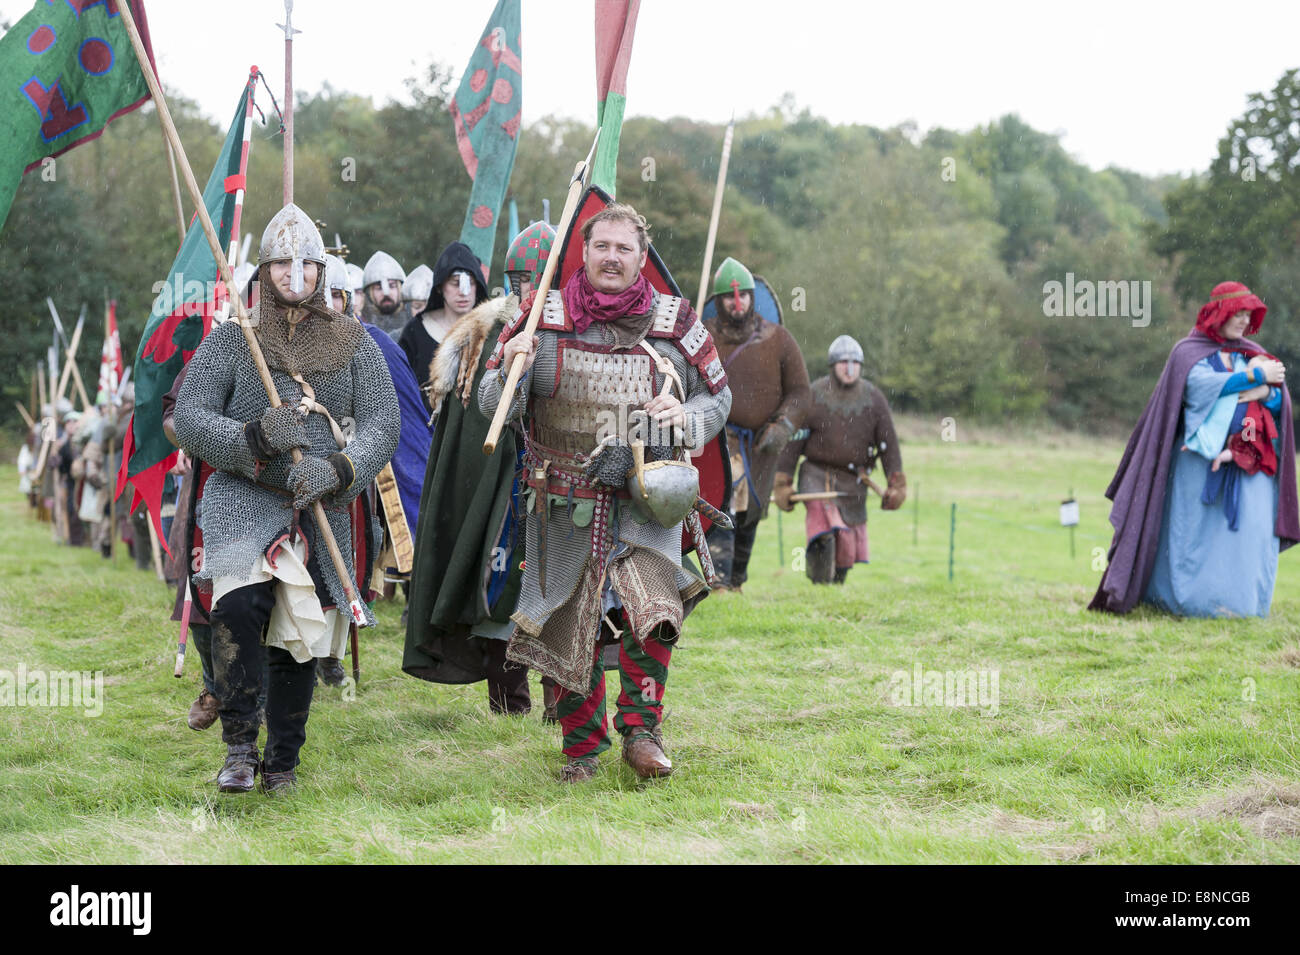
pixel 202 427
pixel 377 416
pixel 494 380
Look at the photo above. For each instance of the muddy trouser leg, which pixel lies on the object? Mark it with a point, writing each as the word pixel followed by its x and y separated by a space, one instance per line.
pixel 201 637
pixel 288 701
pixel 819 559
pixel 239 658
pixel 143 551
pixel 744 546
pixel 721 546
pixel 507 682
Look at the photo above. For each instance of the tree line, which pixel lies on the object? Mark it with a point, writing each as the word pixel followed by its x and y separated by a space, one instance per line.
pixel 933 248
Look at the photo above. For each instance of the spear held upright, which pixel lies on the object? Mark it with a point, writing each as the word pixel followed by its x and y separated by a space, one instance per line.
pixel 713 218
pixel 289 31
pixel 539 299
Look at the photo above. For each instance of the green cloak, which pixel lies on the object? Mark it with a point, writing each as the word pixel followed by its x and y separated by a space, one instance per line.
pixel 464 507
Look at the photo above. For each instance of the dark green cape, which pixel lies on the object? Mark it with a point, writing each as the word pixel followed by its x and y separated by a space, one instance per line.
pixel 463 508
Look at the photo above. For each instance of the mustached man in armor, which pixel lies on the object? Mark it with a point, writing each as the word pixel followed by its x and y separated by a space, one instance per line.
pixel 271 577
pixel 469 547
pixel 609 349
pixel 382 282
pixel 769 389
pixel 850 432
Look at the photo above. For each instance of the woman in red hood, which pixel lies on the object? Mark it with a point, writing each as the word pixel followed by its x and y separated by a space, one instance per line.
pixel 1205 496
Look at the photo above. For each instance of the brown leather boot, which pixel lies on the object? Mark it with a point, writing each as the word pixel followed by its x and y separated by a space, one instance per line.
pixel 550 702
pixel 240 770
pixel 643 750
pixel 204 711
pixel 278 783
pixel 579 770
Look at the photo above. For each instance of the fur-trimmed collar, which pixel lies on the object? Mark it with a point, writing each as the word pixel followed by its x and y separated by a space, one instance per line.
pixel 456 360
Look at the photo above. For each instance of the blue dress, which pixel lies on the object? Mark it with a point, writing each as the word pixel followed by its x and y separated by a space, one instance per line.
pixel 1204 567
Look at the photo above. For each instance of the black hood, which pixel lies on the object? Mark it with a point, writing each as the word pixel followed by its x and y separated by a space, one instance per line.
pixel 457 255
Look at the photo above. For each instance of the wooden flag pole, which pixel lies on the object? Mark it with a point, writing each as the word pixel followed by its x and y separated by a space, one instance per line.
pixel 539 299
pixel 713 218
pixel 355 606
pixel 176 190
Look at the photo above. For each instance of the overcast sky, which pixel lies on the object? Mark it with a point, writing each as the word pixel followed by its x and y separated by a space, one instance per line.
pixel 1149 86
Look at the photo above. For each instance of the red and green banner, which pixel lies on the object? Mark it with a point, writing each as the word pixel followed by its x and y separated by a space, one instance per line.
pixel 110 358
pixel 615 28
pixel 486 111
pixel 182 315
pixel 67 70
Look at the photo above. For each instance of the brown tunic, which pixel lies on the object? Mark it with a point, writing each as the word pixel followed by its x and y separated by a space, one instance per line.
pixel 847 426
pixel 769 381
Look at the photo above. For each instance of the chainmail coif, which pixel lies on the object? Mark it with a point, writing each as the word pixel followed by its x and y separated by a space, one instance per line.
pixel 246 504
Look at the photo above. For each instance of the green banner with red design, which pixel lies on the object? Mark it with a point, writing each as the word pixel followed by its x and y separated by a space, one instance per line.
pixel 182 315
pixel 67 69
pixel 486 111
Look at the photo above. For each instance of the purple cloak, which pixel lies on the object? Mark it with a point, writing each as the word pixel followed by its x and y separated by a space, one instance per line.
pixel 1139 486
pixel 412 454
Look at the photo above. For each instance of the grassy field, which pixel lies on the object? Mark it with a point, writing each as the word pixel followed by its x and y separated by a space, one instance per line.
pixel 1145 739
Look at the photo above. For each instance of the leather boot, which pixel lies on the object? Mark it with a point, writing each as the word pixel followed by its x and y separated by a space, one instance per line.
pixel 550 702
pixel 579 770
pixel 204 711
pixel 330 671
pixel 278 783
pixel 240 770
pixel 643 750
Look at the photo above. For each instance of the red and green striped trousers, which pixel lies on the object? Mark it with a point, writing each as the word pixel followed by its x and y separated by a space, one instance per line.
pixel 642 673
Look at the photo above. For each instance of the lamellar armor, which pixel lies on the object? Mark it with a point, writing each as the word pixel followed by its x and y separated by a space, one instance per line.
pixel 581 392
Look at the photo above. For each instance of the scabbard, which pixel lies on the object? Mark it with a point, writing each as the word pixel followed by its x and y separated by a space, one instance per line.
pixel 399 531
pixel 713 514
pixel 702 548
pixel 543 505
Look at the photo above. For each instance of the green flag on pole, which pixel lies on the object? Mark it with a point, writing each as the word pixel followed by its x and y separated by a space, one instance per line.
pixel 615 27
pixel 67 70
pixel 183 313
pixel 486 111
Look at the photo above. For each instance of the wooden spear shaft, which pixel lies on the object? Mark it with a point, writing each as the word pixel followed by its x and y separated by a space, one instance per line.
pixel 713 218
pixel 70 362
pixel 223 268
pixel 535 313
pixel 289 31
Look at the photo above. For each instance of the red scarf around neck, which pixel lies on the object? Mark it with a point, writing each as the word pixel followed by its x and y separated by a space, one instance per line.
pixel 585 304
